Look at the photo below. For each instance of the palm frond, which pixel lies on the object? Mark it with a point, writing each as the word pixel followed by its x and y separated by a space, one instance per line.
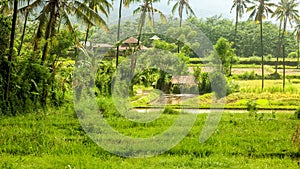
pixel 89 16
pixel 175 7
pixel 137 10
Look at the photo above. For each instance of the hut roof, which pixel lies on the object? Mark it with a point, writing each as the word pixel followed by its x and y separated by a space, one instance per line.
pixel 122 48
pixel 131 40
pixel 155 37
pixel 102 45
pixel 190 80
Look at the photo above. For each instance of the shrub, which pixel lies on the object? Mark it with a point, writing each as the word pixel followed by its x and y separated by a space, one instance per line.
pixel 297 113
pixel 293 55
pixel 205 84
pixel 231 86
pixel 273 76
pixel 254 59
pixel 169 110
pixel 248 75
pixel 252 107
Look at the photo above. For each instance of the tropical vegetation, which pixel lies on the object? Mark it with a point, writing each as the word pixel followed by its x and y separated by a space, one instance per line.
pixel 56 54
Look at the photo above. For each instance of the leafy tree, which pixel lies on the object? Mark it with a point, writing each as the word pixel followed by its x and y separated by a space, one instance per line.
pixel 4 6
pixel 226 53
pixel 5 29
pixel 259 11
pixel 49 15
pixel 163 45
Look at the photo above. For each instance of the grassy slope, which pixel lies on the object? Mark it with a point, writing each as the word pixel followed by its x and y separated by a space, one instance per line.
pixel 56 140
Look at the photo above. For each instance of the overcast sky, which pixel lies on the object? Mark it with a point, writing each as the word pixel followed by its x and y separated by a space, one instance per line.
pixel 202 8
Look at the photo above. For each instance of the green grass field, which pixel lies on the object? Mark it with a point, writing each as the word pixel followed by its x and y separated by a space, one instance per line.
pixel 56 140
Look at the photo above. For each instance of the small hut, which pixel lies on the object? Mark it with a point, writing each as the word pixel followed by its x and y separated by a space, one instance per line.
pixel 183 80
pixel 185 84
pixel 130 44
pixel 155 37
pixel 102 48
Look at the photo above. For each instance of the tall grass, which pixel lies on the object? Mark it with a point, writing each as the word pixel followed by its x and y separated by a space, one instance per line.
pixel 56 140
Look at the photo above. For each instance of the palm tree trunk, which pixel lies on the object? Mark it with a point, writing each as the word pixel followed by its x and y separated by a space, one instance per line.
pixel 236 26
pixel 283 51
pixel 59 25
pixel 37 38
pixel 87 35
pixel 262 56
pixel 142 22
pixel 11 51
pixel 24 29
pixel 141 25
pixel 278 49
pixel 283 56
pixel 180 21
pixel 152 13
pixel 235 34
pixel 118 34
pixel 49 31
pixel 48 34
pixel 180 25
pixel 298 41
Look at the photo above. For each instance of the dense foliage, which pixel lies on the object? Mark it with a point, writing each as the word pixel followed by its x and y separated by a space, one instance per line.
pixel 40 73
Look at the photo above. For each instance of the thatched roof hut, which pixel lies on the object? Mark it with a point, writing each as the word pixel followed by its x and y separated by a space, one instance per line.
pixel 131 43
pixel 183 80
pixel 155 37
pixel 131 40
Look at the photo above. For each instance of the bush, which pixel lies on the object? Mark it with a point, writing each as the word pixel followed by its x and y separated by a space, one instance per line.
pixel 107 107
pixel 103 79
pixel 252 107
pixel 231 86
pixel 169 110
pixel 297 113
pixel 248 75
pixel 205 84
pixel 273 76
pixel 293 55
pixel 254 59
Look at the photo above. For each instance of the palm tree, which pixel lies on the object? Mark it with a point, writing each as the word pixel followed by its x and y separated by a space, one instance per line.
pixel 279 17
pixel 297 33
pixel 146 10
pixel 24 27
pixel 288 10
pixel 126 3
pixel 63 8
pixel 180 5
pixel 11 50
pixel 239 6
pixel 51 12
pixel 98 5
pixel 259 11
